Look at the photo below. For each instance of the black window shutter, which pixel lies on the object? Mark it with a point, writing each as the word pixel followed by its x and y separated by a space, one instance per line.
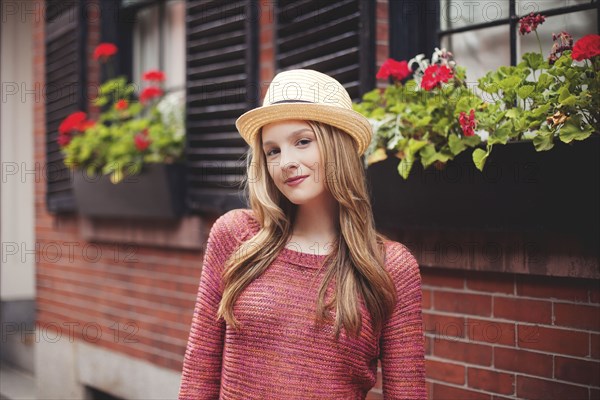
pixel 413 28
pixel 221 84
pixel 65 39
pixel 333 37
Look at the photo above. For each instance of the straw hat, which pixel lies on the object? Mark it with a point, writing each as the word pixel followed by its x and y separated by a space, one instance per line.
pixel 307 95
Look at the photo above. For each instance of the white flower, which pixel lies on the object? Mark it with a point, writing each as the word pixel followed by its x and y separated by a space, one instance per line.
pixel 171 108
pixel 483 134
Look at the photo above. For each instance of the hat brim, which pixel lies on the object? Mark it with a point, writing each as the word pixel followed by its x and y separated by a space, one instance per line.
pixel 350 121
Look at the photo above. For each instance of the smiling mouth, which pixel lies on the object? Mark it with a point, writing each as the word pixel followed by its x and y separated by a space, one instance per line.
pixel 290 180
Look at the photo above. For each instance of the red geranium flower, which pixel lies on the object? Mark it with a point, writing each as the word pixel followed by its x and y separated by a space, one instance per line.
pixel 64 140
pixel 562 42
pixel 142 141
pixel 530 23
pixel 467 124
pixel 153 75
pixel 396 69
pixel 75 122
pixel 149 93
pixel 586 47
pixel 121 104
pixel 434 75
pixel 104 51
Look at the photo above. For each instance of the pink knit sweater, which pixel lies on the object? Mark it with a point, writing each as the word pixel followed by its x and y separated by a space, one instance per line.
pixel 280 354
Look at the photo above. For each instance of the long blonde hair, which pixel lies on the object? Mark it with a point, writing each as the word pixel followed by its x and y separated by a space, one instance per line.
pixel 357 261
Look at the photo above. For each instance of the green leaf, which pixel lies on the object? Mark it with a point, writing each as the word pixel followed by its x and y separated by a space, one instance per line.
pixel 569 101
pixel 429 155
pixel 479 157
pixel 540 111
pixel 525 90
pixel 571 130
pixel 404 167
pixel 512 113
pixel 543 141
pixel 509 83
pixel 456 145
pixel 501 134
pixel 533 60
pixel 544 81
pixel 415 145
pixel 372 96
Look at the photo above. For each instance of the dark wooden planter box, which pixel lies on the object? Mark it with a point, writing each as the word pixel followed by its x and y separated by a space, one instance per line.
pixel 519 189
pixel 157 192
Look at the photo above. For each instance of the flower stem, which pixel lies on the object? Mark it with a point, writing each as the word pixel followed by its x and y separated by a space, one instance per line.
pixel 539 43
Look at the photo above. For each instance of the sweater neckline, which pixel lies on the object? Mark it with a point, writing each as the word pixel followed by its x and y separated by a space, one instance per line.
pixel 303 259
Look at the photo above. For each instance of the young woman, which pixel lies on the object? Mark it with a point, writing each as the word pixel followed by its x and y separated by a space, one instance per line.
pixel 299 296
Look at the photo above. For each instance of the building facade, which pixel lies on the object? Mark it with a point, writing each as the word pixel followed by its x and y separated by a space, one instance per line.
pixel 505 316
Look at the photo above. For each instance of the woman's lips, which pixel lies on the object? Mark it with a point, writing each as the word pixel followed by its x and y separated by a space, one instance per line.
pixel 296 181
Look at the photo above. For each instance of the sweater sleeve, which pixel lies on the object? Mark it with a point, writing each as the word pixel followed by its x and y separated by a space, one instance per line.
pixel 402 342
pixel 201 375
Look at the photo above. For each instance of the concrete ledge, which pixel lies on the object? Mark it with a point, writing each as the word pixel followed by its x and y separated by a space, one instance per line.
pixel 16 384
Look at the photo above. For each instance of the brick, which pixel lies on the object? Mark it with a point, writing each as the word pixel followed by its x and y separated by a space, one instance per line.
pixel 441 278
pixel 383 32
pixel 445 371
pixel 594 393
pixel 474 304
pixel 492 332
pixel 595 346
pixel 542 389
pixel 553 288
pixel 492 283
pixel 444 392
pixel 466 352
pixel 559 341
pixel 577 316
pixel 595 294
pixel 491 381
pixel 382 52
pixel 518 309
pixel 428 345
pixel 524 361
pixel 577 371
pixel 426 299
pixel 443 325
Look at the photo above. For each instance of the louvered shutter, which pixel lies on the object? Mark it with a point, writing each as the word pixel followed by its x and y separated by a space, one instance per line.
pixel 333 37
pixel 221 84
pixel 65 39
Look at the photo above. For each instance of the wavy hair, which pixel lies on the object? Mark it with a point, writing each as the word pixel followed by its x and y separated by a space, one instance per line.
pixel 356 263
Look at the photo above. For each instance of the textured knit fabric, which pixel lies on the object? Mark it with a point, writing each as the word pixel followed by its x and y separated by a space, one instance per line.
pixel 280 353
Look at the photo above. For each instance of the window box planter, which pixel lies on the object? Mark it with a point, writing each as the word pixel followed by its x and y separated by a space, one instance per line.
pixel 519 189
pixel 157 192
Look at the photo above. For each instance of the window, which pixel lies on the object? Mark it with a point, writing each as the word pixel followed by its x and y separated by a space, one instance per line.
pixel 66 78
pixel 159 43
pixel 484 35
pixel 222 80
pixel 333 37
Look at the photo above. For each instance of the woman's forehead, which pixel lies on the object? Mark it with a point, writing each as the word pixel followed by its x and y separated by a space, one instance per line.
pixel 283 130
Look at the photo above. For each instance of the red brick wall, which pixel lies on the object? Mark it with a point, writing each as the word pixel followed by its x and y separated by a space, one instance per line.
pixel 382 32
pixel 133 299
pixel 491 335
pixel 266 46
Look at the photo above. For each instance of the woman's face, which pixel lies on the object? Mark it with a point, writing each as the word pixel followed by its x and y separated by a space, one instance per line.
pixel 291 151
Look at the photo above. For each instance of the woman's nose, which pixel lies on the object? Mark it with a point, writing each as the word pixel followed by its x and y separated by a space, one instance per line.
pixel 288 163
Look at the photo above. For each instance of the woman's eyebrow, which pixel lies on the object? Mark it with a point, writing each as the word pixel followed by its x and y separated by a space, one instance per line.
pixel 292 135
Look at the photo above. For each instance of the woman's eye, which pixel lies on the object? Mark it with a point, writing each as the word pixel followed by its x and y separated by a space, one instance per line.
pixel 268 153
